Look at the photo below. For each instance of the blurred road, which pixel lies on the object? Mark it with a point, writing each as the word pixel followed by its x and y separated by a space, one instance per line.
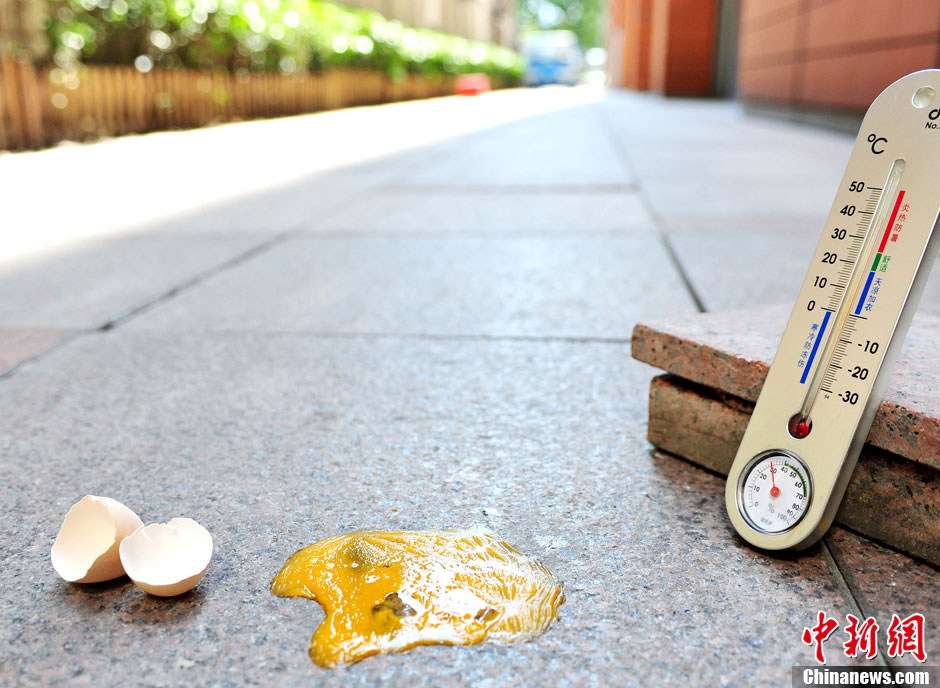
pixel 403 317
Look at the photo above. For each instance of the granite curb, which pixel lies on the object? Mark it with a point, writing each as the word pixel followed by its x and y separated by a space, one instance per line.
pixel 890 499
pixel 731 352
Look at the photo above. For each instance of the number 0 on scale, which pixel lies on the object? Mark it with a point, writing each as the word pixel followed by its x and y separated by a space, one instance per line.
pixel 848 324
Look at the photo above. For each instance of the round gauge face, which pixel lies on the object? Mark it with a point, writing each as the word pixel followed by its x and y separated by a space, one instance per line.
pixel 775 492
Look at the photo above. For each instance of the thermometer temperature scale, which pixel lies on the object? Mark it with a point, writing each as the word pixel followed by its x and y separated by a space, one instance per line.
pixel 849 322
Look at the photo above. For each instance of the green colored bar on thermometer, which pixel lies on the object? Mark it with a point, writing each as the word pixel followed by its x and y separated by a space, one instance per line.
pixel 875 266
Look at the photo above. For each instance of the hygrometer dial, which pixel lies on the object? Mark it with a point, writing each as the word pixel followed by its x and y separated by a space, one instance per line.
pixel 775 491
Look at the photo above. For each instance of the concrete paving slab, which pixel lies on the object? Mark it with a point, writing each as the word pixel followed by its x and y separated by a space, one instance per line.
pixel 563 286
pixel 240 170
pixel 698 160
pixel 886 583
pixel 562 148
pixel 647 120
pixel 743 269
pixel 275 441
pixel 731 353
pixel 738 165
pixel 17 346
pixel 770 260
pixel 303 200
pixel 88 284
pixel 677 201
pixel 735 190
pixel 489 211
pixel 274 211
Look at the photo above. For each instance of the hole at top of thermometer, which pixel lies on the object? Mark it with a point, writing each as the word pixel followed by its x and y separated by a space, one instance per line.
pixel 801 424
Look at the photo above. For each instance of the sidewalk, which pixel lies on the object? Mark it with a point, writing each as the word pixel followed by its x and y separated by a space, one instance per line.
pixel 405 317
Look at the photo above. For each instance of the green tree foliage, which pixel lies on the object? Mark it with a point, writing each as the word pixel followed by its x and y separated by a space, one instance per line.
pixel 271 35
pixel 584 17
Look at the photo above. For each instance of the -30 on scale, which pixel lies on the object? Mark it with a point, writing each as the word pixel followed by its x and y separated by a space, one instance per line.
pixel 848 324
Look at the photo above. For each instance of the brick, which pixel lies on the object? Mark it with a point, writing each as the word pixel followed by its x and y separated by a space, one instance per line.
pixel 731 352
pixel 889 498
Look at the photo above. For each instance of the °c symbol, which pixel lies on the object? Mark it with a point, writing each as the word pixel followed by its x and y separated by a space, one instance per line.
pixel 874 140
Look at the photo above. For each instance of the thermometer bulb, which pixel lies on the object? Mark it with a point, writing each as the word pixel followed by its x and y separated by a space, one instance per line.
pixel 799 427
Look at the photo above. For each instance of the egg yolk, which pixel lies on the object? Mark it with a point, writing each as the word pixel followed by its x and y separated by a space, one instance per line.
pixel 392 591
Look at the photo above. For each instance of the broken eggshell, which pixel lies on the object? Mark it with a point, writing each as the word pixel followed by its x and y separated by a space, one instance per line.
pixel 167 559
pixel 86 550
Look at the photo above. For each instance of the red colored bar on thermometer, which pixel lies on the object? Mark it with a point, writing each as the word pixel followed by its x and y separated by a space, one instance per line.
pixel 894 216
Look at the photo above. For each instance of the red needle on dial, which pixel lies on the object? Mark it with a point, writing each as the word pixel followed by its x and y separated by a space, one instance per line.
pixel 774 491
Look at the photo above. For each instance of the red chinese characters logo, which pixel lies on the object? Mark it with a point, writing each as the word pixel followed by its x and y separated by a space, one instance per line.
pixel 905 636
pixel 819 634
pixel 862 638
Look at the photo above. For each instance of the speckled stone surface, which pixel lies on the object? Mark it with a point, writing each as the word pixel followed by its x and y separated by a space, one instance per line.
pixel 275 441
pixel 17 346
pixel 885 582
pixel 731 352
pixel 527 153
pixel 477 211
pixel 506 285
pixel 92 282
pixel 743 200
pixel 889 498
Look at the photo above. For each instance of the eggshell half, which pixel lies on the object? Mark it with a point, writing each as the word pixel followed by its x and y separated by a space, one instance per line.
pixel 167 559
pixel 86 550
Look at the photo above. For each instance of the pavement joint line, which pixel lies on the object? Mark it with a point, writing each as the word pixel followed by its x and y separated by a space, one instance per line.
pixel 653 213
pixel 264 246
pixel 238 259
pixel 845 588
pixel 296 231
pixel 12 370
pixel 654 452
pixel 404 233
pixel 674 257
pixel 549 339
pixel 152 303
pixel 851 599
pixel 405 336
pixel 407 167
pixel 885 545
pixel 500 189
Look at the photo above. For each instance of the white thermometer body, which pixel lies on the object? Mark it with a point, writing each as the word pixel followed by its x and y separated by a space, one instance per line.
pixel 849 322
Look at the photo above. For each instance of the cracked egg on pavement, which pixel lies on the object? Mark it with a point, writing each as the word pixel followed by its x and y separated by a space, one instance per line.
pixel 392 591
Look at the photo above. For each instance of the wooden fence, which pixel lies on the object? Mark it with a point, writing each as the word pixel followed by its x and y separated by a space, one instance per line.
pixel 41 106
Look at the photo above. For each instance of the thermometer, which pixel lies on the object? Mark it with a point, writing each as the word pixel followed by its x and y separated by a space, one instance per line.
pixel 849 322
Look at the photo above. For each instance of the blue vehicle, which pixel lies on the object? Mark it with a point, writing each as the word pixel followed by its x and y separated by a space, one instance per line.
pixel 554 57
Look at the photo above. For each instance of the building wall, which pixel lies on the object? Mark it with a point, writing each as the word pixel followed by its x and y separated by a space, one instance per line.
pixel 636 57
pixel 614 40
pixel 667 46
pixel 683 34
pixel 826 54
